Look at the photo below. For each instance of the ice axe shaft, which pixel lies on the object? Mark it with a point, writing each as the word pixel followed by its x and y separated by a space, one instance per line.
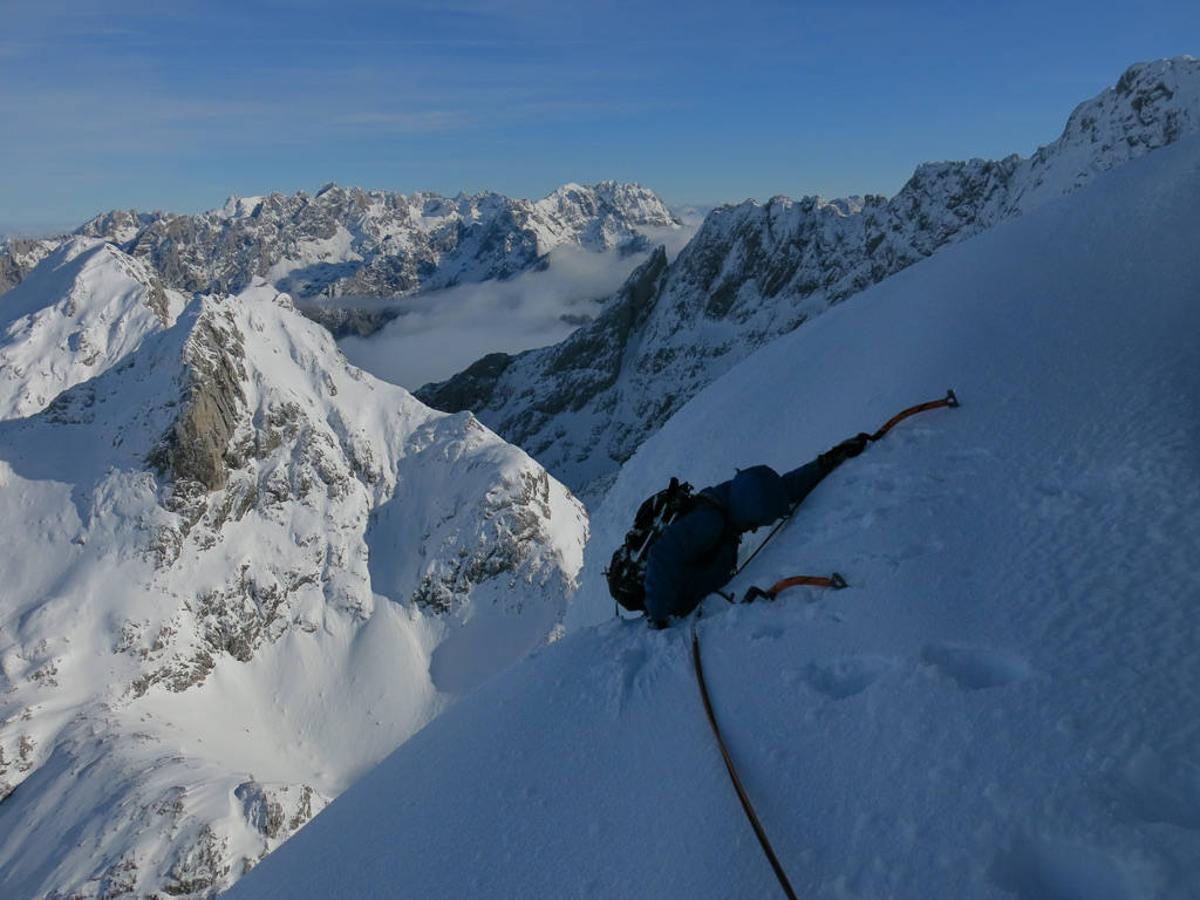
pixel 835 581
pixel 950 401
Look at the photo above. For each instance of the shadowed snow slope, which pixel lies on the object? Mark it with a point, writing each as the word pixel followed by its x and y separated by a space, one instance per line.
pixel 1003 702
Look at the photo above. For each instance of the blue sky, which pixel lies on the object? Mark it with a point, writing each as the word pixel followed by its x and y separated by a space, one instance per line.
pixel 175 105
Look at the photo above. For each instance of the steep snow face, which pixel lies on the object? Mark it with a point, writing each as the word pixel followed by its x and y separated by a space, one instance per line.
pixel 86 307
pixel 1001 704
pixel 81 311
pixel 238 572
pixel 348 241
pixel 756 271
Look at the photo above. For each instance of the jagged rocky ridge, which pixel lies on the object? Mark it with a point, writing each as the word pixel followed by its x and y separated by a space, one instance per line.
pixel 756 271
pixel 239 571
pixel 19 255
pixel 349 241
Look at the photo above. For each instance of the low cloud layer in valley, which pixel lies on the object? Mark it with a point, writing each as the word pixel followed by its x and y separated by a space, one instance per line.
pixel 440 333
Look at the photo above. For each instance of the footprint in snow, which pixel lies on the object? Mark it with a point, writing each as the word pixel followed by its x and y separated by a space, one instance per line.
pixel 842 678
pixel 636 668
pixel 1160 788
pixel 624 671
pixel 1044 869
pixel 976 668
pixel 766 633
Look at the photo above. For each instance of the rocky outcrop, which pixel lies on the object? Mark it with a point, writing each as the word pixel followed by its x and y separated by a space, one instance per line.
pixel 19 256
pixel 195 449
pixel 513 525
pixel 275 811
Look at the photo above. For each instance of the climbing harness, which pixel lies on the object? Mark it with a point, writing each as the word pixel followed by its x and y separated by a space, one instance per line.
pixel 759 832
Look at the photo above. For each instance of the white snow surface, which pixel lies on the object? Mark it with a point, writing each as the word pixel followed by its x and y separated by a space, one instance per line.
pixel 188 674
pixel 80 312
pixel 1002 704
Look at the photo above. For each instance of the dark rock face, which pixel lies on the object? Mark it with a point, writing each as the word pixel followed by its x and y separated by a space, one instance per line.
pixel 195 448
pixel 11 273
pixel 585 363
pixel 347 321
pixel 199 869
pixel 470 389
pixel 756 271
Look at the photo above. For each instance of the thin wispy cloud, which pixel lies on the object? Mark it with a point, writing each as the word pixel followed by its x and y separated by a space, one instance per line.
pixel 176 104
pixel 433 120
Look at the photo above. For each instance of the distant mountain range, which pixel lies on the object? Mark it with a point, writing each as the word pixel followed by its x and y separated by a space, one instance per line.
pixel 755 271
pixel 348 241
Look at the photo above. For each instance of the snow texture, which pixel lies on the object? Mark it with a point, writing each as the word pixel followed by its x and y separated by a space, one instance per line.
pixel 238 572
pixel 1001 705
pixel 83 311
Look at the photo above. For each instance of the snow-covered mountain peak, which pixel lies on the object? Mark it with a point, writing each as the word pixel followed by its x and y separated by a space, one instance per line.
pixel 237 207
pixel 242 570
pixel 638 204
pixel 350 241
pixel 81 311
pixel 1153 104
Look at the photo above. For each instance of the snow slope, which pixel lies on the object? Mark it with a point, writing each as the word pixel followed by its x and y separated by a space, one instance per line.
pixel 79 313
pixel 1003 704
pixel 238 571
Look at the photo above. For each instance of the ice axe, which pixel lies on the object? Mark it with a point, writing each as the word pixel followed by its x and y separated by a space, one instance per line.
pixel 836 581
